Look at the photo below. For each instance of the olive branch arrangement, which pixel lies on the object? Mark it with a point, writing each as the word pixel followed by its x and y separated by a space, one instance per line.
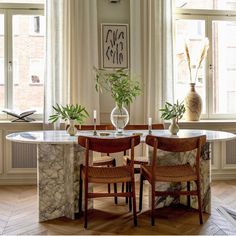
pixel 118 83
pixel 170 111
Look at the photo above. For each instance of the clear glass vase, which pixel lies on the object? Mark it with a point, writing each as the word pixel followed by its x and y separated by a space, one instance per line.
pixel 119 118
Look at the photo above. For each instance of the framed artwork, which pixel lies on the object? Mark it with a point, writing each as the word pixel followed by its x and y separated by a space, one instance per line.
pixel 115 46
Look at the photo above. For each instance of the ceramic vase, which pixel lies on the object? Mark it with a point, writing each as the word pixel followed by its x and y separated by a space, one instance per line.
pixel 119 118
pixel 193 104
pixel 174 128
pixel 71 130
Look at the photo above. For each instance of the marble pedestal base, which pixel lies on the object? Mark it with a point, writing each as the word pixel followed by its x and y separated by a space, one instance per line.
pixel 58 180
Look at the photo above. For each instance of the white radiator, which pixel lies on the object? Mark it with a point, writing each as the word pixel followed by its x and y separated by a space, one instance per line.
pixel 231 152
pixel 24 155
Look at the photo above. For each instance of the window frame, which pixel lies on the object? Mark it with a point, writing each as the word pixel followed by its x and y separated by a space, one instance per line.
pixel 209 16
pixel 9 10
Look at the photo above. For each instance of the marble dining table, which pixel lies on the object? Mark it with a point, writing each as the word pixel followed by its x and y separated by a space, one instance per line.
pixel 59 158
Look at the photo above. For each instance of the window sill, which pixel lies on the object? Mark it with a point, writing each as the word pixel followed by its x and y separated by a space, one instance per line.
pixel 223 125
pixel 209 121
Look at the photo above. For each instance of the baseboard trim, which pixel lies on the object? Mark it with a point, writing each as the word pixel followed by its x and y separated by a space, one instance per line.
pixel 223 176
pixel 18 181
pixel 33 181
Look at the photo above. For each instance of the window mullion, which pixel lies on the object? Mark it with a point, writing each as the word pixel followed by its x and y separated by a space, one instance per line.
pixel 209 74
pixel 9 62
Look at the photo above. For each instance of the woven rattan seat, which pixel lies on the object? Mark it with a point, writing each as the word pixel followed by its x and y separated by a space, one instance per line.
pixel 103 161
pixel 176 173
pixel 108 175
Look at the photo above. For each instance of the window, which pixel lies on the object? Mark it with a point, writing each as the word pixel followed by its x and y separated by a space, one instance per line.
pixel 207 4
pixel 216 82
pixel 21 59
pixel 194 31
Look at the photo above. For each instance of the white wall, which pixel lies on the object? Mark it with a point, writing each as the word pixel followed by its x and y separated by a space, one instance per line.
pixel 110 13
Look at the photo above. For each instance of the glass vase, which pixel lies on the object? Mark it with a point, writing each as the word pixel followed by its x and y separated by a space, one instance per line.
pixel 119 118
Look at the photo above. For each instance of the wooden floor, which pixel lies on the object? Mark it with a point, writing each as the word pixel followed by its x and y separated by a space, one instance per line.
pixel 18 215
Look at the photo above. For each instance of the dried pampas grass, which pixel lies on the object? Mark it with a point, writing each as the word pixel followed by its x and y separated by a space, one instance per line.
pixel 203 55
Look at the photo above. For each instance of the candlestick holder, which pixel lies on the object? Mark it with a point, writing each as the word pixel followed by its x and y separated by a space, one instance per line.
pixel 149 129
pixel 94 129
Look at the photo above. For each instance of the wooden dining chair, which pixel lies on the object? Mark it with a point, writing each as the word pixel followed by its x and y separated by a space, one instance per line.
pixel 106 160
pixel 138 160
pixel 107 175
pixel 177 173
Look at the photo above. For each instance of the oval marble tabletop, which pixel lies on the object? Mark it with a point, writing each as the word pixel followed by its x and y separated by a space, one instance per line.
pixel 61 137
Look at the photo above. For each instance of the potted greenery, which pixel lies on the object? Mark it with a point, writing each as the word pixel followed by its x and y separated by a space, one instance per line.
pixel 71 113
pixel 123 90
pixel 173 112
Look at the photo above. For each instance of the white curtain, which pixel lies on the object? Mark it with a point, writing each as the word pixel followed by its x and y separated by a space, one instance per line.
pixel 151 56
pixel 71 54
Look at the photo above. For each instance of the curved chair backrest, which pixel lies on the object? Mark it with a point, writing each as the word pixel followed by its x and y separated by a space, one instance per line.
pixel 144 127
pixel 91 127
pixel 176 144
pixel 108 145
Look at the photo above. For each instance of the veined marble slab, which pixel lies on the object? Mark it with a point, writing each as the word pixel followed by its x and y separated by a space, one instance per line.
pixel 58 180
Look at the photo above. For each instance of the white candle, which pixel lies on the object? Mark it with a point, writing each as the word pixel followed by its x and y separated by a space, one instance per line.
pixel 149 121
pixel 95 114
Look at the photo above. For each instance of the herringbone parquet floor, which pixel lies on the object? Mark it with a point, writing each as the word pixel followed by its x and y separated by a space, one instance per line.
pixel 18 215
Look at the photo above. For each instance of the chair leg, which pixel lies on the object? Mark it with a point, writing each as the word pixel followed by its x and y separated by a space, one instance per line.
pixel 80 195
pixel 86 205
pixel 115 185
pixel 123 187
pixel 188 196
pixel 130 198
pixel 153 205
pixel 115 191
pixel 141 193
pixel 127 190
pixel 134 203
pixel 199 201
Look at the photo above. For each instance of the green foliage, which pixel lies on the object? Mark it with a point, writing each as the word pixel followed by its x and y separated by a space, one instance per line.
pixel 122 88
pixel 170 111
pixel 69 112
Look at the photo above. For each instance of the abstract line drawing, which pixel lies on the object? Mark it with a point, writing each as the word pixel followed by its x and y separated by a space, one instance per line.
pixel 114 39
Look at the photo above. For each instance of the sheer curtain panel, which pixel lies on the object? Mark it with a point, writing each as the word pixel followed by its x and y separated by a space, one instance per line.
pixel 71 53
pixel 151 56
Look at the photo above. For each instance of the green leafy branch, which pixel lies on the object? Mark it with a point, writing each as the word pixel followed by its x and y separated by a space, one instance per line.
pixel 170 111
pixel 122 88
pixel 69 112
